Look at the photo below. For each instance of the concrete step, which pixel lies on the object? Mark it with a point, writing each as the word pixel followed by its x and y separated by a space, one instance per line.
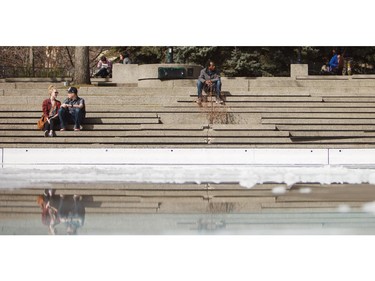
pixel 306 110
pixel 349 99
pixel 338 141
pixel 36 114
pixel 249 140
pixel 105 140
pixel 291 104
pixel 241 134
pixel 313 121
pixel 89 108
pixel 131 133
pixel 12 83
pixel 331 134
pixel 242 127
pixel 117 127
pixel 315 115
pixel 325 127
pixel 16 112
pixel 93 100
pixel 255 93
pixel 118 120
pixel 230 99
pixel 193 107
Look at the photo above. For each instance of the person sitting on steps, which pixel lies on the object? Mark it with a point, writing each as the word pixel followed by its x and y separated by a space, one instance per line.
pixel 104 68
pixel 209 77
pixel 73 110
pixel 50 108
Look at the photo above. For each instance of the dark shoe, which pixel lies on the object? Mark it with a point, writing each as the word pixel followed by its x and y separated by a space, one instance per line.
pixel 46 133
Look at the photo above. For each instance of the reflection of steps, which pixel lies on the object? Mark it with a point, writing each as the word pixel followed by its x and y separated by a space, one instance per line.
pixel 193 198
pixel 113 208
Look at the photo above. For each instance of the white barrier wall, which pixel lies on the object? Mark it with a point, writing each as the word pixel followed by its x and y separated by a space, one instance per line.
pixel 276 157
pixel 18 156
pixel 352 156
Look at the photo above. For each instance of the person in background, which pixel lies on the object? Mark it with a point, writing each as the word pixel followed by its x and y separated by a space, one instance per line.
pixel 209 78
pixel 334 62
pixel 72 110
pixel 124 58
pixel 104 68
pixel 50 109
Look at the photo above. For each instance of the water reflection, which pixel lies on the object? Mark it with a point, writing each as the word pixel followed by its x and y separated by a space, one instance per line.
pixel 68 210
pixel 188 209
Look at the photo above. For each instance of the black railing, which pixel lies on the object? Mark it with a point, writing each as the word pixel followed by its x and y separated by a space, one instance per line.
pixel 18 72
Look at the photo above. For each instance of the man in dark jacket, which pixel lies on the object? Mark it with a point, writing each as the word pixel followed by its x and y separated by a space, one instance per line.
pixel 209 77
pixel 72 110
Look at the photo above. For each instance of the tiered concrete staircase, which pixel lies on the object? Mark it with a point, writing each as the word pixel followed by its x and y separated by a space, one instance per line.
pixel 278 112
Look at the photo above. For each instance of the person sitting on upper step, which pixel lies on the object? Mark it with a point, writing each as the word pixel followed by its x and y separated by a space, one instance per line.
pixel 209 79
pixel 72 110
pixel 124 58
pixel 104 68
pixel 335 64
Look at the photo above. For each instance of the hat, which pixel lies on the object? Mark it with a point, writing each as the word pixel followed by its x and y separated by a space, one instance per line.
pixel 73 90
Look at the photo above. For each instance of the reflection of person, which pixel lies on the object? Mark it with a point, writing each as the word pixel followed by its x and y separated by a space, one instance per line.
pixel 72 213
pixel 65 209
pixel 104 68
pixel 209 77
pixel 72 110
pixel 49 203
pixel 50 108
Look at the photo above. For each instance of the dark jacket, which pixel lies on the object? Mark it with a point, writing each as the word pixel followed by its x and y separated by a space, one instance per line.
pixel 206 74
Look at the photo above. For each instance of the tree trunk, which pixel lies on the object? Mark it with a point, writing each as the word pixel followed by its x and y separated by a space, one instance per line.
pixel 82 68
pixel 31 61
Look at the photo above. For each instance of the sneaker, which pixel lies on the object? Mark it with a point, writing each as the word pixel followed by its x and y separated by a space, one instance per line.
pixel 77 129
pixel 219 100
pixel 46 133
pixel 50 134
pixel 62 129
pixel 199 100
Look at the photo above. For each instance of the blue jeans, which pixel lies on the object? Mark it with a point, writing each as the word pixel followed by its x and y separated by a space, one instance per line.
pixel 74 115
pixel 216 85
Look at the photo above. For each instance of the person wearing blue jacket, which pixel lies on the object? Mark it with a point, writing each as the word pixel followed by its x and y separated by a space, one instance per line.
pixel 334 62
